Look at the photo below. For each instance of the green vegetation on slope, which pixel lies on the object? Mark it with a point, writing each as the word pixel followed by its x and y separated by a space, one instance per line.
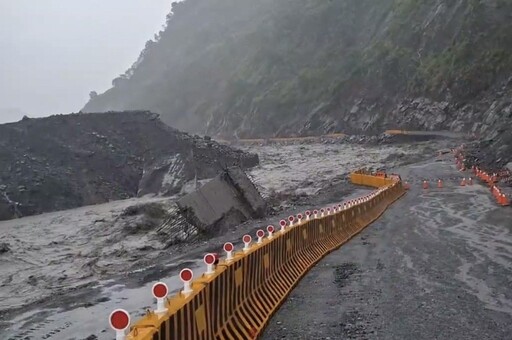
pixel 253 68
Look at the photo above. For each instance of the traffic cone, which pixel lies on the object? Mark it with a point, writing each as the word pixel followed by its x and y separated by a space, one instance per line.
pixel 425 185
pixel 463 182
pixel 439 184
pixel 504 201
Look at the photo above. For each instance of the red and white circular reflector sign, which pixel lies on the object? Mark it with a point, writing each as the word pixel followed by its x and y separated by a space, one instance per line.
pixel 186 275
pixel 209 259
pixel 291 218
pixel 260 233
pixel 119 320
pixel 282 223
pixel 270 228
pixel 160 290
pixel 228 246
pixel 299 216
pixel 247 239
pixel 308 213
pixel 315 212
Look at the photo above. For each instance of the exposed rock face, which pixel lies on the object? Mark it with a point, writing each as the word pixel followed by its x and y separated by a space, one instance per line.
pixel 67 161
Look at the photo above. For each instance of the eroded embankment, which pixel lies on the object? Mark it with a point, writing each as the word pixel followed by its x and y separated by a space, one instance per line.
pixel 68 161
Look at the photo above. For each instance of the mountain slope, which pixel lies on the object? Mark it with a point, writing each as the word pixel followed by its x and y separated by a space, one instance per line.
pixel 259 68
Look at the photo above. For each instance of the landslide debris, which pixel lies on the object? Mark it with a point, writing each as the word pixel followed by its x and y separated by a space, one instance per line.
pixel 67 161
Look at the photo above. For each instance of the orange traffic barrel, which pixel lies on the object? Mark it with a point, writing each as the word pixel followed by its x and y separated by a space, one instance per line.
pixel 503 200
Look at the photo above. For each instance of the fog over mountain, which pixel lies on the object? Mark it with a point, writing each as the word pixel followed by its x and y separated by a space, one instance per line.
pixel 54 52
pixel 260 68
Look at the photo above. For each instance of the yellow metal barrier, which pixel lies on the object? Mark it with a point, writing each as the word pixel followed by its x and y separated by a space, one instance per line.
pixel 237 301
pixel 360 178
pixel 283 139
pixel 396 132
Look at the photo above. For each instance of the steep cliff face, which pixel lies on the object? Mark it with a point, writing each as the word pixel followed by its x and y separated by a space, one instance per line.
pixel 67 161
pixel 260 68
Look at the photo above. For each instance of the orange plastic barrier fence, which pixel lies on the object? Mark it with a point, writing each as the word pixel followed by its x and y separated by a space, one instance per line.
pixel 491 179
pixel 240 297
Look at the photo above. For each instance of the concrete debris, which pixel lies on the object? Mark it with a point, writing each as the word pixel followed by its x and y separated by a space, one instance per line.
pixel 227 200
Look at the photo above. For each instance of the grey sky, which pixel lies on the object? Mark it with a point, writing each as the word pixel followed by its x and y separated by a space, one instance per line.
pixel 54 52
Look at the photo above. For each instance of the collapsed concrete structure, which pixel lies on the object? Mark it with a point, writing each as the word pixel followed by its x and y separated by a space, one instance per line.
pixel 229 199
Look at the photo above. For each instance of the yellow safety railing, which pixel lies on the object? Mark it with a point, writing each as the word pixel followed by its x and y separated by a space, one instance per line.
pixel 376 180
pixel 240 297
pixel 396 132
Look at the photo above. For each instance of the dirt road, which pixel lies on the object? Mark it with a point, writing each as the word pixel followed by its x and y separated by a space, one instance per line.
pixel 437 265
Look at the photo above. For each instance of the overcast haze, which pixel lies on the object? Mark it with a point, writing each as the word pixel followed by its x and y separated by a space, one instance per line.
pixel 54 52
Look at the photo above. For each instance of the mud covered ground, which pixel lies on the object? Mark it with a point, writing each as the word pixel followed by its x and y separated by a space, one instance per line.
pixel 437 265
pixel 66 271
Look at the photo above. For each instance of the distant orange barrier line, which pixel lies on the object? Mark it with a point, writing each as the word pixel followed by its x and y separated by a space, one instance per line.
pixel 282 139
pixel 395 132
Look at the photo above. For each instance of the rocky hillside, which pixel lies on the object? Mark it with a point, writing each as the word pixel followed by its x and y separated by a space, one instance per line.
pixel 73 160
pixel 260 68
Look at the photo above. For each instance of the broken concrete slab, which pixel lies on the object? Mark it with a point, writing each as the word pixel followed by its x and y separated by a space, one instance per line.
pixel 227 200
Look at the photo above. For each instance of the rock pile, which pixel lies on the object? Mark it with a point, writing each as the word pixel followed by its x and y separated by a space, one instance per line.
pixel 67 161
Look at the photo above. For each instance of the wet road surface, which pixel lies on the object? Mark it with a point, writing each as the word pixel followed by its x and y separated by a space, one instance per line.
pixel 437 265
